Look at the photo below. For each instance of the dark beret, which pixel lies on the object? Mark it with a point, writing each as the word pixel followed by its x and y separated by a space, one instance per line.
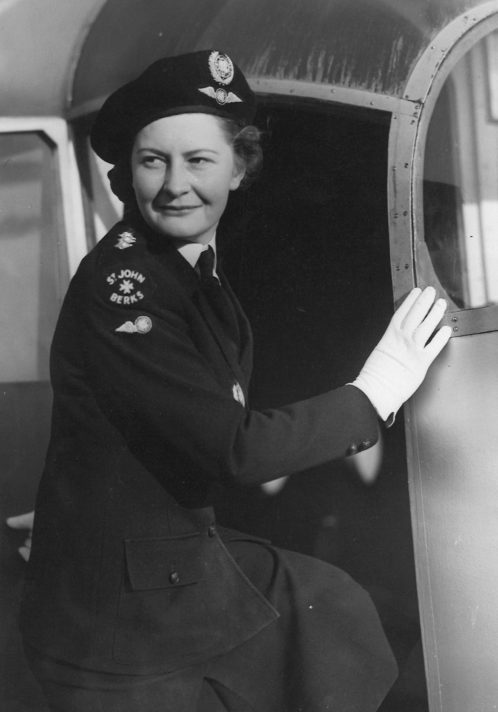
pixel 207 81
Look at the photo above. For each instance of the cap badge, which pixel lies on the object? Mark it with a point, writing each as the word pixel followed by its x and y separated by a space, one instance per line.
pixel 126 239
pixel 142 325
pixel 221 67
pixel 220 95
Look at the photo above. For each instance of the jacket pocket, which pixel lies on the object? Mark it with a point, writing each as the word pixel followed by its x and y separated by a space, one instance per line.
pixel 183 600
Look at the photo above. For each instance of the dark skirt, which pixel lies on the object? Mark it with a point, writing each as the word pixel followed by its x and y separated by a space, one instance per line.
pixel 326 652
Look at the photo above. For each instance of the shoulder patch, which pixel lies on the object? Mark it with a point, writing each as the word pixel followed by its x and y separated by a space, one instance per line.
pixel 127 286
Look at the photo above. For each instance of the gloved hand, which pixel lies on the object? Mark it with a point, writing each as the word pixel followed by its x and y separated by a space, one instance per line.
pixel 398 364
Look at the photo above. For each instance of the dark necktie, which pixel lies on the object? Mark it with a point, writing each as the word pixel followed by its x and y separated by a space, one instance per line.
pixel 217 295
pixel 205 264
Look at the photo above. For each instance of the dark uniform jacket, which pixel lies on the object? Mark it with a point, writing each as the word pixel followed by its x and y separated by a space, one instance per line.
pixel 128 572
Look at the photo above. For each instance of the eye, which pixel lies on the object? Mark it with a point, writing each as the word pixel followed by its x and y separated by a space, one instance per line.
pixel 152 161
pixel 199 160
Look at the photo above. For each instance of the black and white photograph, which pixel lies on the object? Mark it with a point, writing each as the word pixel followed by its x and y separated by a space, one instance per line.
pixel 249 355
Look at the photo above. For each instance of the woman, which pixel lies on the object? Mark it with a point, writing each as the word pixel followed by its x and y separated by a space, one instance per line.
pixel 135 600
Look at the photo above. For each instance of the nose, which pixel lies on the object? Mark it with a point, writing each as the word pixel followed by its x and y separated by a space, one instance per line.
pixel 175 180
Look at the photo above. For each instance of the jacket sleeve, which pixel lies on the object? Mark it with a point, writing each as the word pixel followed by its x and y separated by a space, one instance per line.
pixel 158 389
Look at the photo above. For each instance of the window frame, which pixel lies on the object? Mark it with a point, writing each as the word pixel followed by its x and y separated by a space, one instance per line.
pixel 410 123
pixel 57 132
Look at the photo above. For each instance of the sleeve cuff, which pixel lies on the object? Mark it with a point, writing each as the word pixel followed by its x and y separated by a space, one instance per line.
pixel 384 411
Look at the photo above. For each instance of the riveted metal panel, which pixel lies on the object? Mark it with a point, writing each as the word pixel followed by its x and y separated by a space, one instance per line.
pixel 369 45
pixel 453 453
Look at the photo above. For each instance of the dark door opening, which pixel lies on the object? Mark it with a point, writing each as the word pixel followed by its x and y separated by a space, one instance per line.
pixel 307 251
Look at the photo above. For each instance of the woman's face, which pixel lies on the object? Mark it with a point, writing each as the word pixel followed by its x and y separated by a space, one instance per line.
pixel 183 169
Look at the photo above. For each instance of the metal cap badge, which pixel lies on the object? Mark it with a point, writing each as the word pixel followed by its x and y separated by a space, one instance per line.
pixel 221 67
pixel 222 71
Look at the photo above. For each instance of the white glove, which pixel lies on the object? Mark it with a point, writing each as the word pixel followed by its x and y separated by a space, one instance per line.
pixel 398 364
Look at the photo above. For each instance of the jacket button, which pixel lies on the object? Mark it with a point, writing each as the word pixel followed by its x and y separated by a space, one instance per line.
pixel 352 449
pixel 211 530
pixel 174 577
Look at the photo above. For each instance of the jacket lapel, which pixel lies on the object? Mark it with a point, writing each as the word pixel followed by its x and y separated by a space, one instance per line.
pixel 246 340
pixel 228 347
pixel 238 359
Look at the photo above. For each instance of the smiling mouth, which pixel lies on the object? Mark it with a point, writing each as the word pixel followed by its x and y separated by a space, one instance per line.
pixel 177 210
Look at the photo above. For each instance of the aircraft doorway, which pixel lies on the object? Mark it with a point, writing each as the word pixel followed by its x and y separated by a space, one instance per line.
pixel 307 251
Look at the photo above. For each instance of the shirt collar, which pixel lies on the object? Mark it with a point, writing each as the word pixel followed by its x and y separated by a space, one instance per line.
pixel 191 251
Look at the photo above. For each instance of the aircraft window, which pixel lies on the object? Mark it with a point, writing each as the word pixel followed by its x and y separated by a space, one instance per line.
pixel 31 269
pixel 461 179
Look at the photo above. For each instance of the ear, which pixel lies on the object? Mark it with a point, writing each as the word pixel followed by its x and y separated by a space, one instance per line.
pixel 239 171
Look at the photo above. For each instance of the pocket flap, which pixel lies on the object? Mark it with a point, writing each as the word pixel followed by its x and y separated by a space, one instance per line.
pixel 164 563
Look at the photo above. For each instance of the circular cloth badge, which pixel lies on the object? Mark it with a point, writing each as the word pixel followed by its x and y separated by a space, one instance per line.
pixel 143 324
